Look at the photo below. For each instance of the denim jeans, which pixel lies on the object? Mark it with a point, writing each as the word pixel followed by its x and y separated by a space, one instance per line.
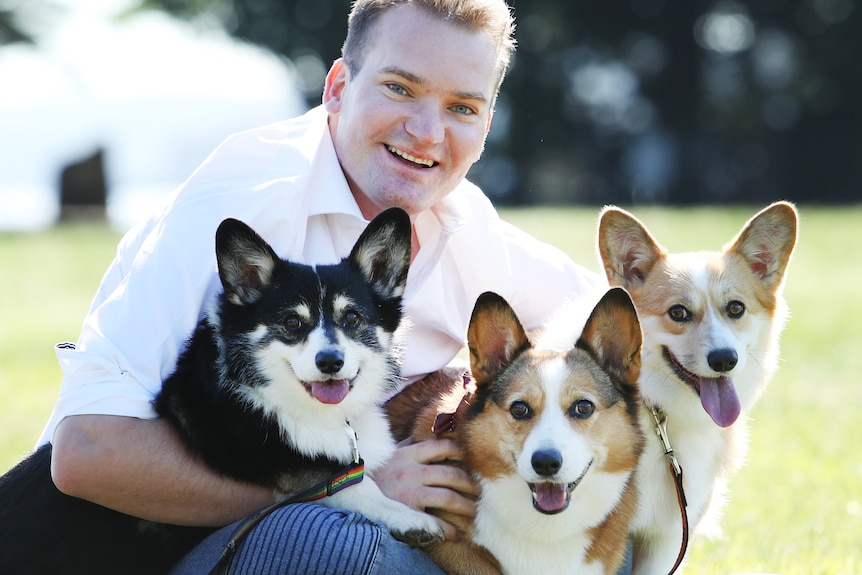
pixel 311 539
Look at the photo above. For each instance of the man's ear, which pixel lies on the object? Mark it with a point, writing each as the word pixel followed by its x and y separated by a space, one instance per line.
pixel 485 135
pixel 488 122
pixel 333 87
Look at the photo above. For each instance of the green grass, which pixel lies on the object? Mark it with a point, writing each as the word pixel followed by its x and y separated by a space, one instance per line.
pixel 795 508
pixel 48 280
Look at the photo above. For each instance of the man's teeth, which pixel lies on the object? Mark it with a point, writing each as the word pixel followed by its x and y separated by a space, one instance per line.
pixel 409 158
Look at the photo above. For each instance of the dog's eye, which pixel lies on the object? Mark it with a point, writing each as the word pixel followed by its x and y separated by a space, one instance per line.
pixel 292 322
pixel 582 409
pixel 679 313
pixel 351 319
pixel 520 410
pixel 735 309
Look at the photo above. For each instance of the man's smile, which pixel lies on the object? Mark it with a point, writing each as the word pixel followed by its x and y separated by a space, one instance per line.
pixel 405 156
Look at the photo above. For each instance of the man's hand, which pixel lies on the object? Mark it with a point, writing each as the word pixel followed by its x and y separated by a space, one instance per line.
pixel 417 476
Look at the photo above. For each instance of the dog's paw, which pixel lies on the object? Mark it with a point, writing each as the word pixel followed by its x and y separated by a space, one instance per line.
pixel 416 529
pixel 404 523
pixel 418 537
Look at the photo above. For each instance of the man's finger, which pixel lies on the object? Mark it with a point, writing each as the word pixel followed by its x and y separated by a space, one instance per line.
pixel 448 500
pixel 433 451
pixel 450 476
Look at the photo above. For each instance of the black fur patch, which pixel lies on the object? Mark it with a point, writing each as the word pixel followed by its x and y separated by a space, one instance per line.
pixel 43 531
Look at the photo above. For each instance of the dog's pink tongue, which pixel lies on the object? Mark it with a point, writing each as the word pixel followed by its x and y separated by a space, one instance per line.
pixel 330 391
pixel 718 397
pixel 550 497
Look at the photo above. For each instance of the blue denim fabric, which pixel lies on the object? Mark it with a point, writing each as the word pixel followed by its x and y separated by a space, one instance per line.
pixel 626 567
pixel 309 539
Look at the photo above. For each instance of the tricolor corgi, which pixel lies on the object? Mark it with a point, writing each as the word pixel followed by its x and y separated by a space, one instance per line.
pixel 711 324
pixel 551 437
pixel 287 367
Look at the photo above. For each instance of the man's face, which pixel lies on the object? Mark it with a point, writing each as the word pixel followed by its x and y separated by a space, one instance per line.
pixel 410 124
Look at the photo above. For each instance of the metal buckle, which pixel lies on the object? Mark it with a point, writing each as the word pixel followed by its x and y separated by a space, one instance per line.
pixel 661 430
pixel 354 439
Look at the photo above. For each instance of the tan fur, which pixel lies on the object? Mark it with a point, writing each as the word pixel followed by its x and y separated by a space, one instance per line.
pixel 692 305
pixel 506 367
pixel 611 537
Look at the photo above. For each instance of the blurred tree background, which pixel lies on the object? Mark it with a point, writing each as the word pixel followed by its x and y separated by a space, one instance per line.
pixel 643 101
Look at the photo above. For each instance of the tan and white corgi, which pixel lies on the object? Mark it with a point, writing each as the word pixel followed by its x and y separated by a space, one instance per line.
pixel 711 324
pixel 551 437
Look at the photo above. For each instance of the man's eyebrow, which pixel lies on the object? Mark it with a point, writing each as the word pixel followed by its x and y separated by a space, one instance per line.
pixel 413 78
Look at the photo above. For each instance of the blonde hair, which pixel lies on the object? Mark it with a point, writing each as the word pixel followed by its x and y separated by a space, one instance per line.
pixel 491 16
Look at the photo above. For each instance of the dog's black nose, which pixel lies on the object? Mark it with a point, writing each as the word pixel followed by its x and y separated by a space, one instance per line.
pixel 722 360
pixel 329 361
pixel 547 462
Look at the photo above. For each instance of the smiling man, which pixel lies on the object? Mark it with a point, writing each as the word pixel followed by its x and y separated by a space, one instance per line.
pixel 408 121
pixel 405 114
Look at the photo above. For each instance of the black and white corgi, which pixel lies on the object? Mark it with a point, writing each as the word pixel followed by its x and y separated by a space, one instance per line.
pixel 282 374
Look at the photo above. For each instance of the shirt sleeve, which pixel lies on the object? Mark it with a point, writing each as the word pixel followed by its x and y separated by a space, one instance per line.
pixel 155 291
pixel 535 277
pixel 482 253
pixel 544 278
pixel 149 300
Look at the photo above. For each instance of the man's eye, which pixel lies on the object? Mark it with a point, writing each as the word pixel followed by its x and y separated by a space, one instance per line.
pixel 464 110
pixel 397 88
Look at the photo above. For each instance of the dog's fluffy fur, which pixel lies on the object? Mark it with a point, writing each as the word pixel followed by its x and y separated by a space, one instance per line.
pixel 711 324
pixel 263 392
pixel 552 438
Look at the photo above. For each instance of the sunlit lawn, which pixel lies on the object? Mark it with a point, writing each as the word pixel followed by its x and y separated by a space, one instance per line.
pixel 796 508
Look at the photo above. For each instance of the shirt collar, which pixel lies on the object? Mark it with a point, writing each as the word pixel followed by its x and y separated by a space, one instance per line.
pixel 451 212
pixel 326 174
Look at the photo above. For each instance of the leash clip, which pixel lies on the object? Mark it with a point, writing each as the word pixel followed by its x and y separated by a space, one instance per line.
pixel 660 419
pixel 354 439
pixel 661 430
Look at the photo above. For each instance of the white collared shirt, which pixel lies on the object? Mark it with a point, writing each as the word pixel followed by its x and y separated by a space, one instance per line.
pixel 284 180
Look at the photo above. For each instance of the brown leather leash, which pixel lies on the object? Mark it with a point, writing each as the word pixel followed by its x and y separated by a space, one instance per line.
pixel 660 419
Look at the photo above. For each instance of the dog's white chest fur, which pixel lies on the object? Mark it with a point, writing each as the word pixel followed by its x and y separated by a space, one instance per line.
pixel 544 544
pixel 658 523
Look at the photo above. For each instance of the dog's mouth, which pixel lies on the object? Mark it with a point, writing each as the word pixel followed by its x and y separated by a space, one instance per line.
pixel 330 391
pixel 551 498
pixel 717 394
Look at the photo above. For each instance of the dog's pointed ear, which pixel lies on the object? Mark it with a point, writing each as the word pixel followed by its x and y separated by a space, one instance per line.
pixel 627 250
pixel 245 261
pixel 612 335
pixel 766 243
pixel 495 337
pixel 383 252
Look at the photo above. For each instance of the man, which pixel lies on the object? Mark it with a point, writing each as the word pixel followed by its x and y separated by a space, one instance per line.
pixel 405 114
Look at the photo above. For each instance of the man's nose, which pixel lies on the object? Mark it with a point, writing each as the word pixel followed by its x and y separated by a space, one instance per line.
pixel 425 123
